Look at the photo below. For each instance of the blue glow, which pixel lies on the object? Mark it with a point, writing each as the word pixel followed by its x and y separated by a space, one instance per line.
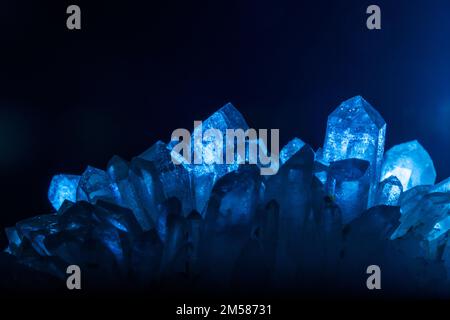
pixel 63 187
pixel 356 130
pixel 410 163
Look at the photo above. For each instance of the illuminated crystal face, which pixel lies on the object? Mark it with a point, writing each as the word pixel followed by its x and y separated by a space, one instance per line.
pixel 150 219
pixel 356 130
pixel 291 148
pixel 410 163
pixel 389 191
pixel 63 187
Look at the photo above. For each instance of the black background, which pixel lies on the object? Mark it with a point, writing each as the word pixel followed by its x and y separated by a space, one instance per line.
pixel 138 70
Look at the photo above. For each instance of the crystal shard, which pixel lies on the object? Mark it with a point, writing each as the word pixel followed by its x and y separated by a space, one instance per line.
pixel 356 130
pixel 234 197
pixel 422 219
pixel 175 179
pixel 95 184
pixel 410 163
pixel 63 187
pixel 211 168
pixel 389 191
pixel 290 149
pixel 153 224
pixel 119 172
pixel 291 189
pixel 348 182
pixel 443 186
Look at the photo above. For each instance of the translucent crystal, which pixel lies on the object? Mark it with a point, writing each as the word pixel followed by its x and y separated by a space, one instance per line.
pixel 291 189
pixel 356 130
pixel 175 179
pixel 422 219
pixel 63 187
pixel 410 163
pixel 148 189
pixel 205 174
pixel 389 191
pixel 95 184
pixel 443 186
pixel 348 182
pixel 118 170
pixel 152 224
pixel 235 197
pixel 409 199
pixel 290 149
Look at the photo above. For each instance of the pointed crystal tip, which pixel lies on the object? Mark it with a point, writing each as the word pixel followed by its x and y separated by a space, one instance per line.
pixel 357 109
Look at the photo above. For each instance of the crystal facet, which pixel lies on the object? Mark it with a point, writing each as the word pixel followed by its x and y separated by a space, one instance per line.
pixel 410 163
pixel 63 187
pixel 348 182
pixel 389 191
pixel 356 130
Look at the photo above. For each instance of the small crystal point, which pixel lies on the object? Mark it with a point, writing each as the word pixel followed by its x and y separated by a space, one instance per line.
pixel 63 187
pixel 389 191
pixel 96 184
pixel 410 163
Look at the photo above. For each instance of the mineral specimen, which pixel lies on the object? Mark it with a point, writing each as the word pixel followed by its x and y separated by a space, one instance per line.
pixel 315 225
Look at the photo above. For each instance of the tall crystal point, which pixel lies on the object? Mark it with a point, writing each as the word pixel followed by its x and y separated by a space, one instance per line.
pixel 410 163
pixel 205 174
pixel 356 130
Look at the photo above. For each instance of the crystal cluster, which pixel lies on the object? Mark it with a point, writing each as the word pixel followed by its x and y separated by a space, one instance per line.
pixel 322 219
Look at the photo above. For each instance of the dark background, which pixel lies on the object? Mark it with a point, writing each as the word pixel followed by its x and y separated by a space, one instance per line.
pixel 138 70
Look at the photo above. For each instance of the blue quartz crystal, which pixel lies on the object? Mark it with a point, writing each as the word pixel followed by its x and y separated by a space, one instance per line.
pixel 443 186
pixel 432 209
pixel 410 163
pixel 356 130
pixel 205 174
pixel 63 187
pixel 96 184
pixel 389 191
pixel 150 222
pixel 349 182
pixel 175 179
pixel 290 149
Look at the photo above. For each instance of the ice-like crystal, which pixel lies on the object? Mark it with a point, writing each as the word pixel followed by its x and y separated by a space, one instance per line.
pixel 148 189
pixel 206 173
pixel 63 187
pixel 291 189
pixel 433 208
pixel 443 186
pixel 151 223
pixel 95 184
pixel 410 198
pixel 234 197
pixel 356 130
pixel 175 179
pixel 389 191
pixel 290 149
pixel 118 170
pixel 410 163
pixel 348 181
